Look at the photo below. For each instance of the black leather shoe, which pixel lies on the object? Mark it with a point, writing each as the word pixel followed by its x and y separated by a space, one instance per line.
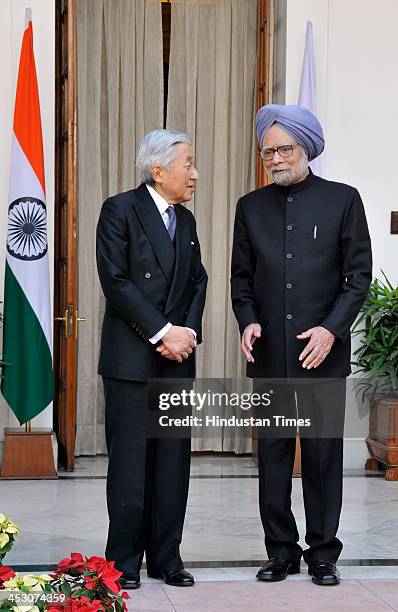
pixel 130 581
pixel 277 569
pixel 324 573
pixel 180 578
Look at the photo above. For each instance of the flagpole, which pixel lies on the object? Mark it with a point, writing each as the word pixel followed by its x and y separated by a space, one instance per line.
pixel 28 16
pixel 28 19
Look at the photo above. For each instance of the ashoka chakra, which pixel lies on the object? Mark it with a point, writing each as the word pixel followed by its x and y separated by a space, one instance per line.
pixel 27 229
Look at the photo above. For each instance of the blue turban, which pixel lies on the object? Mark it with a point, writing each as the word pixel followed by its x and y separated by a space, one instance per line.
pixel 297 121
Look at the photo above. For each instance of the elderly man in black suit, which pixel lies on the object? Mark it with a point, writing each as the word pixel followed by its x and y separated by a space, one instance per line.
pixel 150 269
pixel 301 268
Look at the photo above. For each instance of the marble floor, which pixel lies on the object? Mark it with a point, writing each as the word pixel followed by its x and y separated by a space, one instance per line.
pixel 223 541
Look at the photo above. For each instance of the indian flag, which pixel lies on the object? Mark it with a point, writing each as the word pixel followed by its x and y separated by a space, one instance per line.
pixel 27 385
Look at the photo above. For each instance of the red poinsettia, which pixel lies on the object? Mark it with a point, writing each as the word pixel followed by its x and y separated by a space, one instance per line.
pixel 83 603
pixel 5 574
pixel 79 583
pixel 105 571
pixel 76 605
pixel 75 563
pixel 90 583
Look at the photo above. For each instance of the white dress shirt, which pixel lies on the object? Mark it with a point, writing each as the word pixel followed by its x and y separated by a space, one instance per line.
pixel 162 205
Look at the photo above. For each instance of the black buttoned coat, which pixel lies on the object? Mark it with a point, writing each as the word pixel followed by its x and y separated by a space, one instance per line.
pixel 147 281
pixel 301 257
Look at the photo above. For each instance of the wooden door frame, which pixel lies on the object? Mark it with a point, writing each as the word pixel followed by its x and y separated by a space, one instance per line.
pixel 65 220
pixel 265 68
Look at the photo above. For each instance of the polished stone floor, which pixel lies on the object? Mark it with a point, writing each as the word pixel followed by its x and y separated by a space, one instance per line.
pixel 250 596
pixel 223 542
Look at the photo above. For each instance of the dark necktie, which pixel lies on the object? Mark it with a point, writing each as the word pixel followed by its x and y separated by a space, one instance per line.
pixel 172 222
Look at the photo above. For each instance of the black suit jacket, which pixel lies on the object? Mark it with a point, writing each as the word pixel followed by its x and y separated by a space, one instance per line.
pixel 301 258
pixel 147 281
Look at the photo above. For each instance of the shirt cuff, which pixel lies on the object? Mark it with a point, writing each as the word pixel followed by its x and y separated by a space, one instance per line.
pixel 162 332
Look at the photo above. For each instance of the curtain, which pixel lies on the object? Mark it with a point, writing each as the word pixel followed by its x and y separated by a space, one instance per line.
pixel 212 97
pixel 120 98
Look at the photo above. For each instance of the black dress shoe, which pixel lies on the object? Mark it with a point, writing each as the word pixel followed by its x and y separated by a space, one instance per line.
pixel 277 569
pixel 180 577
pixel 324 573
pixel 130 581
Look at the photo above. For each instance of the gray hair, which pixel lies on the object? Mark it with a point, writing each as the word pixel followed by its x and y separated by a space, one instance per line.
pixel 158 148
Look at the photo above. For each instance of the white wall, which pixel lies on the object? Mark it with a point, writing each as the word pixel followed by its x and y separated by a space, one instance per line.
pixel 12 24
pixel 356 49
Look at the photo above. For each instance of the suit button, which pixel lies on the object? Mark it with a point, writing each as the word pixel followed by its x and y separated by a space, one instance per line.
pixel 289 285
pixel 289 227
pixel 147 275
pixel 290 199
pixel 289 317
pixel 289 255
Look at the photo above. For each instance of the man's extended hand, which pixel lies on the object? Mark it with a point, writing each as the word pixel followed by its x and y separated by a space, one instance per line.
pixel 318 348
pixel 177 344
pixel 250 335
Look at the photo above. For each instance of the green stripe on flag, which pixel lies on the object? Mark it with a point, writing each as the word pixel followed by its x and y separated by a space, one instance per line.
pixel 27 385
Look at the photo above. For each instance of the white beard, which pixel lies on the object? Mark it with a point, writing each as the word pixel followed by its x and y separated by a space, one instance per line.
pixel 289 177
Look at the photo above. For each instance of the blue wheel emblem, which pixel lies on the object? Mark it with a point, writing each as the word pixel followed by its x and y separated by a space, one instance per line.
pixel 27 229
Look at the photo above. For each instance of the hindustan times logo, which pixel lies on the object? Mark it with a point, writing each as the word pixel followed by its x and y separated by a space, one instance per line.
pixel 277 420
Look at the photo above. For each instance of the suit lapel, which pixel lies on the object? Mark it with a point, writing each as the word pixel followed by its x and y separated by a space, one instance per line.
pixel 156 231
pixel 183 251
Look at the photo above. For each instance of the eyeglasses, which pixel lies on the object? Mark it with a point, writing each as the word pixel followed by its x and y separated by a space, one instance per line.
pixel 284 151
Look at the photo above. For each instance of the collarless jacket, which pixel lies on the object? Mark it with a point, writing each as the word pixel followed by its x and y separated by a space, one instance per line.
pixel 147 281
pixel 301 258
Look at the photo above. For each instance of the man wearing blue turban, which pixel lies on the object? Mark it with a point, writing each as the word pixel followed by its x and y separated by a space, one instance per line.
pixel 297 121
pixel 301 269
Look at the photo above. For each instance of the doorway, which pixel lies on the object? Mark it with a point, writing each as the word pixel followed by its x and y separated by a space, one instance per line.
pixel 78 407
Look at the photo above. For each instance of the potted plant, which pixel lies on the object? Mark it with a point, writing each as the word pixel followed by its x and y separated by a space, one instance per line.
pixel 377 363
pixel 78 583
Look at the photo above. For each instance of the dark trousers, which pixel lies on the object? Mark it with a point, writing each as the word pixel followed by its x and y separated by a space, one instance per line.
pixel 147 484
pixel 322 469
pixel 322 476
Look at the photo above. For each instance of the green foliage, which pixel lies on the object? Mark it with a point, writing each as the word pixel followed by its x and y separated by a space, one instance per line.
pixel 377 356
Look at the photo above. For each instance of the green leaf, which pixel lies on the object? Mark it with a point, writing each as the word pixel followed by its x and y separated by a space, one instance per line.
pixel 387 281
pixel 376 357
pixel 65 588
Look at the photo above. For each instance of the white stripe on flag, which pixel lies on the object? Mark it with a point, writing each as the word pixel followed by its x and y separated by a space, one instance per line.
pixel 31 275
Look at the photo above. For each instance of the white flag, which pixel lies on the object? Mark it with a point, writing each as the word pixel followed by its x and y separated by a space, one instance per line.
pixel 307 95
